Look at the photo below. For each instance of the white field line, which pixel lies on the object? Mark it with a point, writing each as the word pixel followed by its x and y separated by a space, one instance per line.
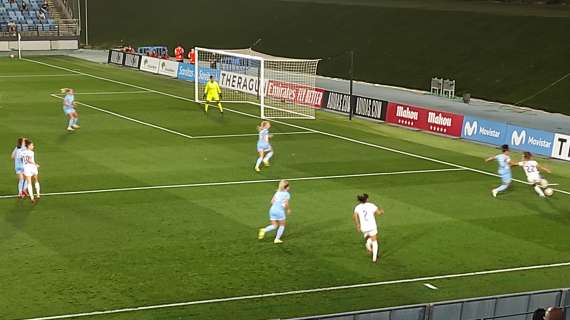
pixel 431 286
pixel 413 155
pixel 128 118
pixel 252 134
pixel 176 132
pixel 39 75
pixel 307 291
pixel 111 92
pixel 241 182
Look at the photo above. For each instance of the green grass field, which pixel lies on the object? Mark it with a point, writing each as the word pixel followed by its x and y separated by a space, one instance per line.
pixel 495 51
pixel 142 208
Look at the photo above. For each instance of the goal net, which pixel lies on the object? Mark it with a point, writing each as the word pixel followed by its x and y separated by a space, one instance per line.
pixel 284 88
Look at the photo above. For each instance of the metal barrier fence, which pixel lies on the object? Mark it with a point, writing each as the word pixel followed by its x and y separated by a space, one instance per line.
pixel 518 306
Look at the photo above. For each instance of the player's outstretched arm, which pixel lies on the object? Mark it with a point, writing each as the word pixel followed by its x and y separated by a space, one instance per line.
pixel 379 212
pixel 545 169
pixel 356 221
pixel 490 159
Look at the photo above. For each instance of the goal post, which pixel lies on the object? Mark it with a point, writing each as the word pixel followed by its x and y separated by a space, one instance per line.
pixel 282 87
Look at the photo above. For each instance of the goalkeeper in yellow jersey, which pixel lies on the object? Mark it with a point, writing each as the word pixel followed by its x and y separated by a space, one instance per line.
pixel 213 93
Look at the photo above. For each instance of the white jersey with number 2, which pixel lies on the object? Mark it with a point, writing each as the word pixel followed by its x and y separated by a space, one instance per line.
pixel 531 170
pixel 366 214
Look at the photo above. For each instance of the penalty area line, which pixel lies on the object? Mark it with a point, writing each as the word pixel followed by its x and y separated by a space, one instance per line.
pixel 242 182
pixel 306 291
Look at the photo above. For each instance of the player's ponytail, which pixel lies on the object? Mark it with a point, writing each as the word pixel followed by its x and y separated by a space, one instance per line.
pixel 21 142
pixel 283 185
pixel 362 198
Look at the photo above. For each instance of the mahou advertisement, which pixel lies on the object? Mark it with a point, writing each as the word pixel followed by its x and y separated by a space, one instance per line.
pixel 425 119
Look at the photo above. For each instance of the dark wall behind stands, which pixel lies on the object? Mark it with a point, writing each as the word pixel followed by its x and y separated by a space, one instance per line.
pixel 493 56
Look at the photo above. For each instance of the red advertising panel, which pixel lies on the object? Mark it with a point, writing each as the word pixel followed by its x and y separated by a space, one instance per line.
pixel 297 93
pixel 425 119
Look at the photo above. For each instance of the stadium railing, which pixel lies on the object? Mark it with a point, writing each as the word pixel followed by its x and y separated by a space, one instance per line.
pixel 518 306
pixel 66 28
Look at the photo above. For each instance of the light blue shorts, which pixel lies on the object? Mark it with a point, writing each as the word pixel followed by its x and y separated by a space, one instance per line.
pixel 67 111
pixel 506 177
pixel 277 215
pixel 265 147
pixel 19 170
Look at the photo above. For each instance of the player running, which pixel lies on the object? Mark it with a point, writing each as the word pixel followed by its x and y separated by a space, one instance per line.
pixel 365 219
pixel 69 106
pixel 277 213
pixel 213 93
pixel 19 166
pixel 31 169
pixel 532 170
pixel 505 163
pixel 264 149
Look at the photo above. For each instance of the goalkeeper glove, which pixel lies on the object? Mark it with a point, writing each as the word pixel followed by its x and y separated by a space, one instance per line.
pixel 204 96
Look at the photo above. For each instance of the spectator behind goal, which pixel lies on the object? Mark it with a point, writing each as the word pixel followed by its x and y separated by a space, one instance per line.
pixel 179 53
pixel 192 56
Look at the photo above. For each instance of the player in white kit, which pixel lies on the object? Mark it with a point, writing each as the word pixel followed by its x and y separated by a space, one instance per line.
pixel 532 170
pixel 365 219
pixel 31 169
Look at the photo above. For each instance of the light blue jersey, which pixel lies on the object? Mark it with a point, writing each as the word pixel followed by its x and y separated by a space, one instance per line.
pixel 18 161
pixel 504 167
pixel 277 211
pixel 68 103
pixel 262 142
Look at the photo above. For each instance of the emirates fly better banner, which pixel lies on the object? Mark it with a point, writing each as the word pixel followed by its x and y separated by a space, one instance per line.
pixel 425 119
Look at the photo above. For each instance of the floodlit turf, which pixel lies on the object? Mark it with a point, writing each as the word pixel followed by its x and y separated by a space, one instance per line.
pixel 115 249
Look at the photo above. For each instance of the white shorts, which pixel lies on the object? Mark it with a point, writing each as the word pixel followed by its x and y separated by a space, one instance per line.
pixel 370 233
pixel 30 170
pixel 535 179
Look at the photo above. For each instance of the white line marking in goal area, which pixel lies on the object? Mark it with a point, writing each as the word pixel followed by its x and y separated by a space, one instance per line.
pixel 40 75
pixel 413 155
pixel 128 118
pixel 176 132
pixel 306 291
pixel 227 183
pixel 110 92
pixel 431 286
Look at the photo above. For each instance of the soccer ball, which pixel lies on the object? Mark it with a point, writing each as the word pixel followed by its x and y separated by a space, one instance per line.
pixel 12 56
pixel 543 183
pixel 548 192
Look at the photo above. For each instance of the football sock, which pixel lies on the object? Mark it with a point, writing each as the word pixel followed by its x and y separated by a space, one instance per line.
pixel 268 156
pixel 538 190
pixel 38 188
pixel 206 107
pixel 220 106
pixel 20 185
pixel 374 250
pixel 70 123
pixel 369 244
pixel 258 163
pixel 280 231
pixel 269 228
pixel 502 188
pixel 30 191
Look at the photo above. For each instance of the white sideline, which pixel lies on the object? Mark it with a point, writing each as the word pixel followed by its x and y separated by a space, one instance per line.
pixel 306 291
pixel 110 92
pixel 417 156
pixel 253 134
pixel 40 75
pixel 227 183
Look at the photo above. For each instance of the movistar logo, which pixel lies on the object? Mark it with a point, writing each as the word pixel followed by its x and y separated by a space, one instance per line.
pixel 518 139
pixel 470 128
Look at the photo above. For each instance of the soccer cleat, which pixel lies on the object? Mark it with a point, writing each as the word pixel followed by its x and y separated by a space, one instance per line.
pixel 266 163
pixel 70 129
pixel 277 241
pixel 494 192
pixel 261 234
pixel 76 126
pixel 257 169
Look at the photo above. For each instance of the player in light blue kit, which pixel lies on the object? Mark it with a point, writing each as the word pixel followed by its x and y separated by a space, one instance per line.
pixel 69 106
pixel 263 147
pixel 504 171
pixel 19 166
pixel 278 212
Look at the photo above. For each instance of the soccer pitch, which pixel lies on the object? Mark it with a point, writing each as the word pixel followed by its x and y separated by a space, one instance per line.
pixel 155 204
